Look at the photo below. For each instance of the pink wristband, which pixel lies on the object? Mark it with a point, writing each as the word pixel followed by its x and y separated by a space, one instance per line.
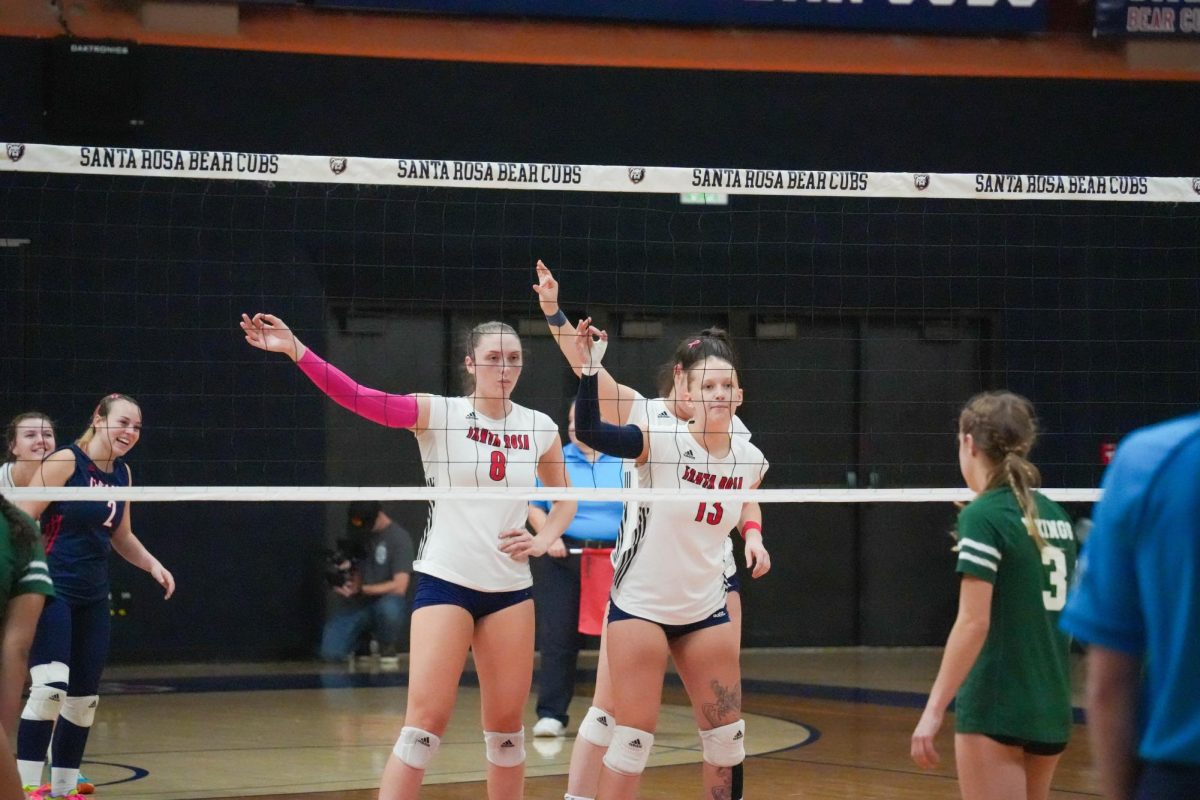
pixel 751 525
pixel 392 410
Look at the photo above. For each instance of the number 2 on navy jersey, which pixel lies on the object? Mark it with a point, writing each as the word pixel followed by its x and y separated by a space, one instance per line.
pixel 711 517
pixel 112 512
pixel 499 464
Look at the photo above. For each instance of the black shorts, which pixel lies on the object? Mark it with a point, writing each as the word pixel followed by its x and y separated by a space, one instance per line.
pixel 718 617
pixel 433 591
pixel 1030 747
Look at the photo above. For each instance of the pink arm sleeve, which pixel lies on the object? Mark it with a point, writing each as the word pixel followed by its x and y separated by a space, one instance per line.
pixel 392 410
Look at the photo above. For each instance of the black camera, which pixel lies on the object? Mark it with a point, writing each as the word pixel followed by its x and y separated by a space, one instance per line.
pixel 337 567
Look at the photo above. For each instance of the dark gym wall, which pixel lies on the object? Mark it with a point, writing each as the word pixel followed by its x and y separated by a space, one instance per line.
pixel 304 104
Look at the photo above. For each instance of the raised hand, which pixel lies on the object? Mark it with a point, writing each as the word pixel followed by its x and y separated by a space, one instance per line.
pixel 546 289
pixel 590 344
pixel 268 332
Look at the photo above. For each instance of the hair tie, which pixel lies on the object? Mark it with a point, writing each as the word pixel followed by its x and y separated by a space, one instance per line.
pixel 693 343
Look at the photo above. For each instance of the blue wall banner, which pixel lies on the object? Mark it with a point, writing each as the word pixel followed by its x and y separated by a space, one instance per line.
pixel 1177 19
pixel 951 16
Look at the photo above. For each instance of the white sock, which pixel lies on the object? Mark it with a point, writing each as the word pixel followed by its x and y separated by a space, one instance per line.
pixel 30 772
pixel 63 780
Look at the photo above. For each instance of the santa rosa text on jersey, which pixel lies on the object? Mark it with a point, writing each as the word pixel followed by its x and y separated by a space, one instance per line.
pixel 709 481
pixel 510 441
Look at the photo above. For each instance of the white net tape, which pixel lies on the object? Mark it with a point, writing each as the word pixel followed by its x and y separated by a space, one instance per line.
pixel 171 163
pixel 315 494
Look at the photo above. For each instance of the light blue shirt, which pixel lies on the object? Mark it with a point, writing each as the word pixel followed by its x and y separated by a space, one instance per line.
pixel 592 520
pixel 1139 587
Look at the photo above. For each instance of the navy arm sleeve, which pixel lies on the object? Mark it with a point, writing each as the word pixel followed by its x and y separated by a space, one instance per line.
pixel 623 441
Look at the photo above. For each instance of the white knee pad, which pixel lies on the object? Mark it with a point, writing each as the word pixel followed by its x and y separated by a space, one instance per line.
pixel 44 703
pixel 48 690
pixel 725 746
pixel 81 710
pixel 50 673
pixel 597 727
pixel 629 750
pixel 416 747
pixel 505 749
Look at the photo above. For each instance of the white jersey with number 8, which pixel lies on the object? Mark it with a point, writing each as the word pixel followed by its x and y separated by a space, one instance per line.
pixel 461 448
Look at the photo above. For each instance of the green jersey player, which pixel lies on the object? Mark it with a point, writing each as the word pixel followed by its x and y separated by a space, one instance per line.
pixel 1005 659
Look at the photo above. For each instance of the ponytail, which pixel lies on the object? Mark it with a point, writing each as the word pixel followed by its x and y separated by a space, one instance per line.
pixel 1003 426
pixel 1023 477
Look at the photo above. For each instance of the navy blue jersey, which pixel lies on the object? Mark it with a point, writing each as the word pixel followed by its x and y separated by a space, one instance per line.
pixel 78 534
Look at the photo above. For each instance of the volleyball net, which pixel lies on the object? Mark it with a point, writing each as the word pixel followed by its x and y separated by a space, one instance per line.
pixel 866 307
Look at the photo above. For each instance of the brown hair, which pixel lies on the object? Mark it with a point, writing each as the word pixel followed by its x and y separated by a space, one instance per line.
pixel 21 529
pixel 1004 427
pixel 693 349
pixel 471 341
pixel 102 409
pixel 10 433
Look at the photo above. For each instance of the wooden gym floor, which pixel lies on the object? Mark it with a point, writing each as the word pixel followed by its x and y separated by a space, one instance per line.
pixel 821 724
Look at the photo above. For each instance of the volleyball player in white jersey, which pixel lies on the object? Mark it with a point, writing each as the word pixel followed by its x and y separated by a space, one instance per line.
pixel 667 596
pixel 28 438
pixel 627 406
pixel 473 590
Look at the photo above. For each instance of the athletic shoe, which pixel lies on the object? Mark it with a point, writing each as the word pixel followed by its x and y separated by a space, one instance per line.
pixel 548 748
pixel 84 786
pixel 43 793
pixel 549 726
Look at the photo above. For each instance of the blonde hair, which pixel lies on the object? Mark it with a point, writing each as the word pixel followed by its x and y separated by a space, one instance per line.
pixel 102 409
pixel 472 341
pixel 1004 427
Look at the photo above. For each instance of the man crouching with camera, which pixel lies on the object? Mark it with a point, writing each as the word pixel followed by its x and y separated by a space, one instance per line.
pixel 369 573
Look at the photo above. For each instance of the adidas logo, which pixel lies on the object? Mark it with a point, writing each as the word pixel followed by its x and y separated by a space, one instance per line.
pixel 688 454
pixel 738 735
pixel 508 743
pixel 603 721
pixel 664 414
pixel 93 704
pixel 636 743
pixel 56 697
pixel 424 740
pixel 471 415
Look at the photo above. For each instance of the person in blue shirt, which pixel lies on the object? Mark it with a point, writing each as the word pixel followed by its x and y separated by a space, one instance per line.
pixel 556 582
pixel 1137 605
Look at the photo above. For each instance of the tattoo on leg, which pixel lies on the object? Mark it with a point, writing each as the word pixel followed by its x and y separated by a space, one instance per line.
pixel 728 705
pixel 724 790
